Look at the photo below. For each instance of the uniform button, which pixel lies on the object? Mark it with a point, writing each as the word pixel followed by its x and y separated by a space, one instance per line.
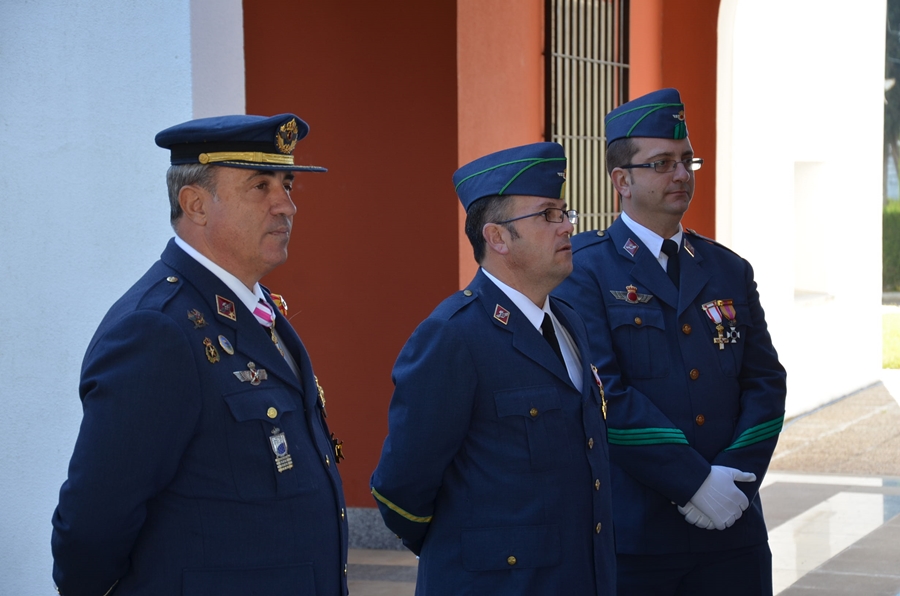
pixel 601 233
pixel 271 412
pixel 598 528
pixel 533 412
pixel 597 484
pixel 638 321
pixel 686 329
pixel 327 461
pixel 343 514
pixel 591 443
pixel 700 419
pixel 467 293
pixel 345 569
pixel 171 279
pixel 511 560
pixel 695 374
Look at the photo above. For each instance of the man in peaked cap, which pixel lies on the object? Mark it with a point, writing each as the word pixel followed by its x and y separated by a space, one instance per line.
pixel 495 468
pixel 696 392
pixel 204 464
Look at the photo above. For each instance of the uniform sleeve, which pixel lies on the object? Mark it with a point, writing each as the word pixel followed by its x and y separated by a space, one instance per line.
pixel 763 384
pixel 140 395
pixel 643 441
pixel 428 419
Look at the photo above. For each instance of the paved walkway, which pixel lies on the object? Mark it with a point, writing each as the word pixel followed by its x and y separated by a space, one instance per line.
pixel 832 499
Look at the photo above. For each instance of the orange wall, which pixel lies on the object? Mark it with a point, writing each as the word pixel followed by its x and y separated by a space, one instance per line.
pixel 374 245
pixel 673 44
pixel 501 86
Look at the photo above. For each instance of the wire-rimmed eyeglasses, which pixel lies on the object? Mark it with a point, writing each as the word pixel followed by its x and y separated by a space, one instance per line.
pixel 551 214
pixel 664 166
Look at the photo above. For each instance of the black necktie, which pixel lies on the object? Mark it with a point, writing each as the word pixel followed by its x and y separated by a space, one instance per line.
pixel 672 268
pixel 550 336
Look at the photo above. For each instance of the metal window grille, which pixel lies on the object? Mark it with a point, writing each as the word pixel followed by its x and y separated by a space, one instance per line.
pixel 587 76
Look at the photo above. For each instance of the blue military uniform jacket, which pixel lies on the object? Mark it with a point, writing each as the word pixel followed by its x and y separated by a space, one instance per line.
pixel 173 487
pixel 678 401
pixel 495 469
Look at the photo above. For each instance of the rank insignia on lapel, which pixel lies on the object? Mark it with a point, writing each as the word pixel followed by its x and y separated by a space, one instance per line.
pixel 225 307
pixel 196 317
pixel 211 353
pixel 631 295
pixel 280 448
pixel 251 374
pixel 717 310
pixel 688 247
pixel 280 302
pixel 631 247
pixel 501 314
pixel 600 386
pixel 226 345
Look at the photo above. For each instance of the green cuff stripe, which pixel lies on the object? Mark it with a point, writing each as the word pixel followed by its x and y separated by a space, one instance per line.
pixel 638 442
pixel 398 510
pixel 758 433
pixel 641 431
pixel 646 436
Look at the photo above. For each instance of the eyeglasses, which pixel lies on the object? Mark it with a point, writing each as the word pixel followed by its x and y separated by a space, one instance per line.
pixel 551 214
pixel 664 166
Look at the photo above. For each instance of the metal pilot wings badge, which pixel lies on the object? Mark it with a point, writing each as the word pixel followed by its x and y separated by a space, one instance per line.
pixel 252 374
pixel 501 314
pixel 631 295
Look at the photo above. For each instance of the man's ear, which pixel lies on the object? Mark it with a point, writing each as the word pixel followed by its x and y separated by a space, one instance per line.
pixel 621 180
pixel 193 200
pixel 496 236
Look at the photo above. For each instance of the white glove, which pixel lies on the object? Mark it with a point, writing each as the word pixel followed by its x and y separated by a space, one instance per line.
pixel 692 515
pixel 720 499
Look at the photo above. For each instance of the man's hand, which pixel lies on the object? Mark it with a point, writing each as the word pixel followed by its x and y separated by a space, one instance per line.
pixel 692 515
pixel 720 499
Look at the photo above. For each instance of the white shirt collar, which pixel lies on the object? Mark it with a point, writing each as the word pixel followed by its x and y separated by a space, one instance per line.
pixel 243 293
pixel 651 239
pixel 531 311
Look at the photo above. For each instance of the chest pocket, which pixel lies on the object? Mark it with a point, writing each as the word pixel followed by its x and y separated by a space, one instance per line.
pixel 537 411
pixel 639 337
pixel 251 417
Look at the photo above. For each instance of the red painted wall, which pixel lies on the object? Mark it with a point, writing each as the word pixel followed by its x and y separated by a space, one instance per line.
pixel 673 43
pixel 374 246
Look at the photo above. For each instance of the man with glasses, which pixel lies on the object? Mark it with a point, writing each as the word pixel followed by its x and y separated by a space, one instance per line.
pixel 495 468
pixel 696 393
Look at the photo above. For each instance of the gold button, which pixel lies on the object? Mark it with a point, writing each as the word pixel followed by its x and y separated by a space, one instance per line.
pixel 637 321
pixel 533 412
pixel 591 443
pixel 700 419
pixel 467 293
pixel 271 412
pixel 511 560
pixel 695 374
pixel 327 461
pixel 599 527
pixel 597 484
pixel 343 513
pixel 171 279
pixel 686 329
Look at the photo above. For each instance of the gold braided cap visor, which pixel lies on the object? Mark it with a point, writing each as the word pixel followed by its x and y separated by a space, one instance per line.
pixel 246 156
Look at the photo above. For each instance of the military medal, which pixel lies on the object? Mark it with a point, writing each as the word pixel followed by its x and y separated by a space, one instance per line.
pixel 226 345
pixel 715 310
pixel 631 247
pixel 196 317
pixel 211 353
pixel 275 338
pixel 501 314
pixel 280 302
pixel 252 374
pixel 225 307
pixel 280 448
pixel 631 295
pixel 726 307
pixel 602 394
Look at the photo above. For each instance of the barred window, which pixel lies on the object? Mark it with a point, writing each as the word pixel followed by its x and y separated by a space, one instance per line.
pixel 587 76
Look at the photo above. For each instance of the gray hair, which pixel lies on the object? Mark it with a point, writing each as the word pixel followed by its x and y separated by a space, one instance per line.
pixel 186 175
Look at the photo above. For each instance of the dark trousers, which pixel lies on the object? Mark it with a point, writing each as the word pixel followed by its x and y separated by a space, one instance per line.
pixel 739 572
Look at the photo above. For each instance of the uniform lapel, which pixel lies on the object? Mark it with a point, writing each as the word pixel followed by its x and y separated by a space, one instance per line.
pixel 645 269
pixel 581 345
pixel 693 276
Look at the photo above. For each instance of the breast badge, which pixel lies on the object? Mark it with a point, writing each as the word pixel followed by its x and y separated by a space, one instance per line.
pixel 226 345
pixel 252 374
pixel 225 307
pixel 196 317
pixel 280 447
pixel 631 295
pixel 211 353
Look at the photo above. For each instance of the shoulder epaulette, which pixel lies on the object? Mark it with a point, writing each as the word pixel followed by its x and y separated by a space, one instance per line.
pixel 694 232
pixel 454 303
pixel 586 239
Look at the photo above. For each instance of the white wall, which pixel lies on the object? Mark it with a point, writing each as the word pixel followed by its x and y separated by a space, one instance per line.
pixel 84 87
pixel 799 180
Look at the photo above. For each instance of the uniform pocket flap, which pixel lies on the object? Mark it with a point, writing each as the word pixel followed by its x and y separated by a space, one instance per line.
pixel 260 404
pixel 636 316
pixel 528 401
pixel 519 547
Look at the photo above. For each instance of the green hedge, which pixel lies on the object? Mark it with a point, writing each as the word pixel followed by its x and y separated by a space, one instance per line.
pixel 891 248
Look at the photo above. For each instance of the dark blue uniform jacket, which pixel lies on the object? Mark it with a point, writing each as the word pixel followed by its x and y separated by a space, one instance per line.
pixel 677 402
pixel 495 468
pixel 173 486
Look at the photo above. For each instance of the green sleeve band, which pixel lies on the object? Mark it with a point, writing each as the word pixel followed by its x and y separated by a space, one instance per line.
pixel 634 437
pixel 398 510
pixel 758 433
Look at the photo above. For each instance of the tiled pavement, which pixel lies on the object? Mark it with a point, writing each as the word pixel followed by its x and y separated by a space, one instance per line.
pixel 832 499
